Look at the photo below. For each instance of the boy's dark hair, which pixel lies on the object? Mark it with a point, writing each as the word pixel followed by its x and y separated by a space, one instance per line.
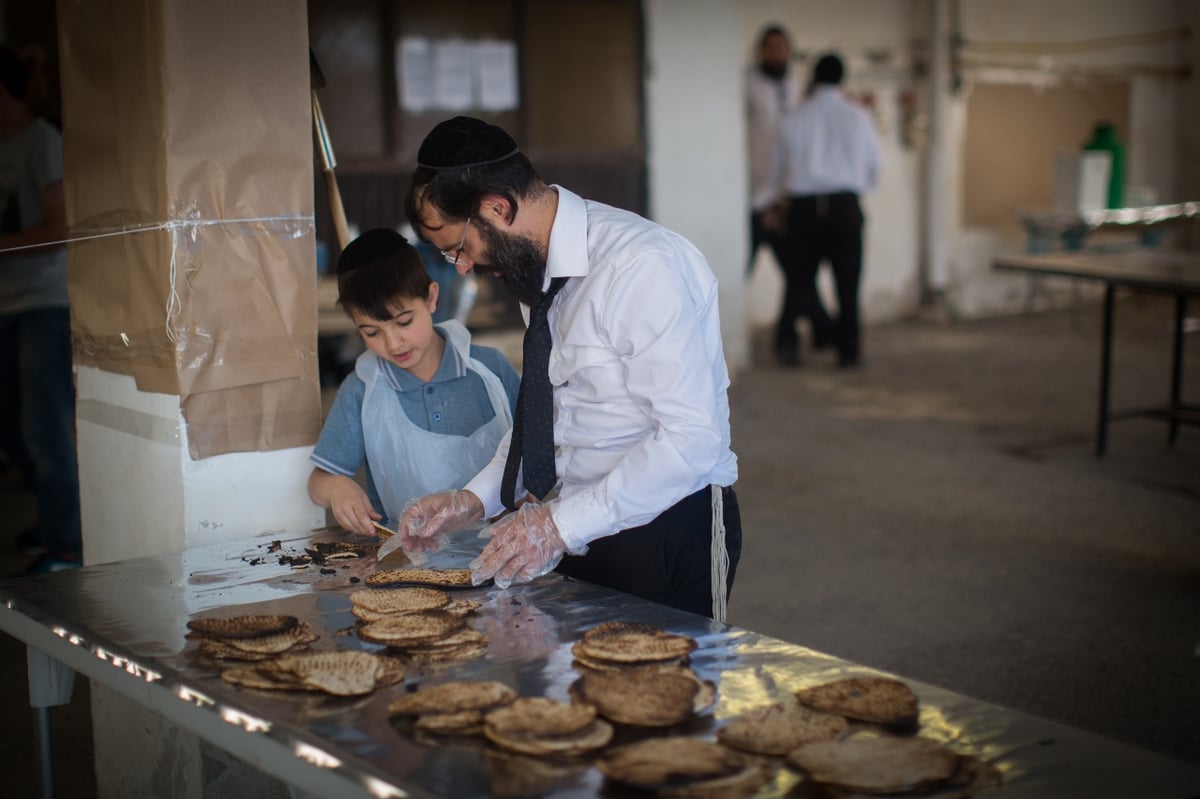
pixel 461 161
pixel 377 269
pixel 828 71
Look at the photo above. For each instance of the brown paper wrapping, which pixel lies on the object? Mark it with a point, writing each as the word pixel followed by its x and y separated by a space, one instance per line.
pixel 188 161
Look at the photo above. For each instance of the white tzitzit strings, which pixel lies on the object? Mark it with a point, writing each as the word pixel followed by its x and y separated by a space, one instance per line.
pixel 174 303
pixel 720 556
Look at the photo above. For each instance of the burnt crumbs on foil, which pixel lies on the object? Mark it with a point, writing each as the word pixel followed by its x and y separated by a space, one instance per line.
pixel 319 553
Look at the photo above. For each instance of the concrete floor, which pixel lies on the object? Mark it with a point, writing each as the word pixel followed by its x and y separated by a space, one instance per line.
pixel 939 513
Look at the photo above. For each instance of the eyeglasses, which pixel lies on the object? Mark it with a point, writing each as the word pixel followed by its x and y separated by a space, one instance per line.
pixel 452 256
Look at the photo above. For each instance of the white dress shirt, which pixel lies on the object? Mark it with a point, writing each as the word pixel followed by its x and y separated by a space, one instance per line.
pixel 767 101
pixel 641 407
pixel 826 145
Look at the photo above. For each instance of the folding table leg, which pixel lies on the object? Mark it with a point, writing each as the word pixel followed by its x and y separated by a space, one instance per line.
pixel 1105 369
pixel 1177 367
pixel 45 752
pixel 51 683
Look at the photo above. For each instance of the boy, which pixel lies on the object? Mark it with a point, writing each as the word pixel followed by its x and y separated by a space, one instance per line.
pixel 424 408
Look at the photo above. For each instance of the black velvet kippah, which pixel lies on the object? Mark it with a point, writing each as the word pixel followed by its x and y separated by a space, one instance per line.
pixel 465 141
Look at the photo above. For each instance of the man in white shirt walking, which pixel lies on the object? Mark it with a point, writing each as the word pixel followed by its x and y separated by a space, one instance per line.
pixel 826 157
pixel 772 91
pixel 639 497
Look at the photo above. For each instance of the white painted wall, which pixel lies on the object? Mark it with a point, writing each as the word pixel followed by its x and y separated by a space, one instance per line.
pixel 696 141
pixel 142 494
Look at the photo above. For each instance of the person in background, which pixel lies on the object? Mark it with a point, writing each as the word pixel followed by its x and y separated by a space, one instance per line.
pixel 624 384
pixel 827 156
pixel 771 92
pixel 37 383
pixel 424 409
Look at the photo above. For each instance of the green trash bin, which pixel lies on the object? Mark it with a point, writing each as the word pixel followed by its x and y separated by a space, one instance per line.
pixel 1104 138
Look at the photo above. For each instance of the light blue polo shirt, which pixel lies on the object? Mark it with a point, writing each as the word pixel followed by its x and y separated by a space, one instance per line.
pixel 454 403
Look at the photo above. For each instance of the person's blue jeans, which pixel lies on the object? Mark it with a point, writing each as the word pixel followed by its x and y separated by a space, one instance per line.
pixel 37 419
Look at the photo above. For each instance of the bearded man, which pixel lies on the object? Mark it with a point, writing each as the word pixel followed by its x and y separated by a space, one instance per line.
pixel 619 469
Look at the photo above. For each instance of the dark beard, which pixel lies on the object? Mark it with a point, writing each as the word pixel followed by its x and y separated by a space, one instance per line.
pixel 773 71
pixel 515 260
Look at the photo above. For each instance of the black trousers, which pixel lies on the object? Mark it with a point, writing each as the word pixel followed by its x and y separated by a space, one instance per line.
pixel 823 226
pixel 760 234
pixel 668 560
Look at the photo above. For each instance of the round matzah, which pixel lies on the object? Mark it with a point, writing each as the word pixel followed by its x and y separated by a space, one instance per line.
pixel 640 697
pixel 464 722
pixel 217 648
pixel 438 578
pixel 779 728
pixel 583 661
pixel 882 700
pixel 455 654
pixel 459 638
pixel 452 697
pixel 243 626
pixel 538 715
pixel 399 600
pixel 739 784
pixel 261 678
pixel 257 648
pixel 626 642
pixel 342 672
pixel 876 765
pixel 592 736
pixel 659 762
pixel 402 629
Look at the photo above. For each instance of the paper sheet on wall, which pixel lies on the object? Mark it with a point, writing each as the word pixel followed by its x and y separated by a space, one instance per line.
pixel 497 64
pixel 453 74
pixel 414 74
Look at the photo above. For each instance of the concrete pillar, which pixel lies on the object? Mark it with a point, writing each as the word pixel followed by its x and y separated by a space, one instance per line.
pixel 695 128
pixel 188 163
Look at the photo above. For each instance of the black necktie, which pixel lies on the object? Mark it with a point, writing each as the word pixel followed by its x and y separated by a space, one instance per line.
pixel 533 428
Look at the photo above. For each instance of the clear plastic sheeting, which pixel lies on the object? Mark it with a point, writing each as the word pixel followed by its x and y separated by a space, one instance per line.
pixel 132 615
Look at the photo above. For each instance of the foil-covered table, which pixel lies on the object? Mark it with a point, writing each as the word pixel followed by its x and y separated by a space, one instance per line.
pixel 123 625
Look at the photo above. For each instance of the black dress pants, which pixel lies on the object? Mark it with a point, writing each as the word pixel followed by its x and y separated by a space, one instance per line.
pixel 667 560
pixel 823 226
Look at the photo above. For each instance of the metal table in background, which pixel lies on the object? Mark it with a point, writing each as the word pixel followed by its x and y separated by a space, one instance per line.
pixel 1168 271
pixel 1049 230
pixel 123 625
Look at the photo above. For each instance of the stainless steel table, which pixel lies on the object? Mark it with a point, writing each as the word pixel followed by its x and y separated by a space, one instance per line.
pixel 123 624
pixel 1172 272
pixel 1048 229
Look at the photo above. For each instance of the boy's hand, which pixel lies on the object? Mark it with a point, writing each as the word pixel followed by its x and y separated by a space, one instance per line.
pixel 351 507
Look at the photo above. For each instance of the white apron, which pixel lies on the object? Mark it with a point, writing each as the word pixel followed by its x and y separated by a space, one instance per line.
pixel 408 461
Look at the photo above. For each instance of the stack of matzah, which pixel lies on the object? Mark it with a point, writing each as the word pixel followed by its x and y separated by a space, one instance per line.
pixel 880 700
pixel 540 726
pixel 452 708
pixel 779 728
pixel 372 604
pixel 623 644
pixel 656 696
pixel 337 672
pixel 250 637
pixel 435 578
pixel 684 767
pixel 886 765
pixel 426 636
